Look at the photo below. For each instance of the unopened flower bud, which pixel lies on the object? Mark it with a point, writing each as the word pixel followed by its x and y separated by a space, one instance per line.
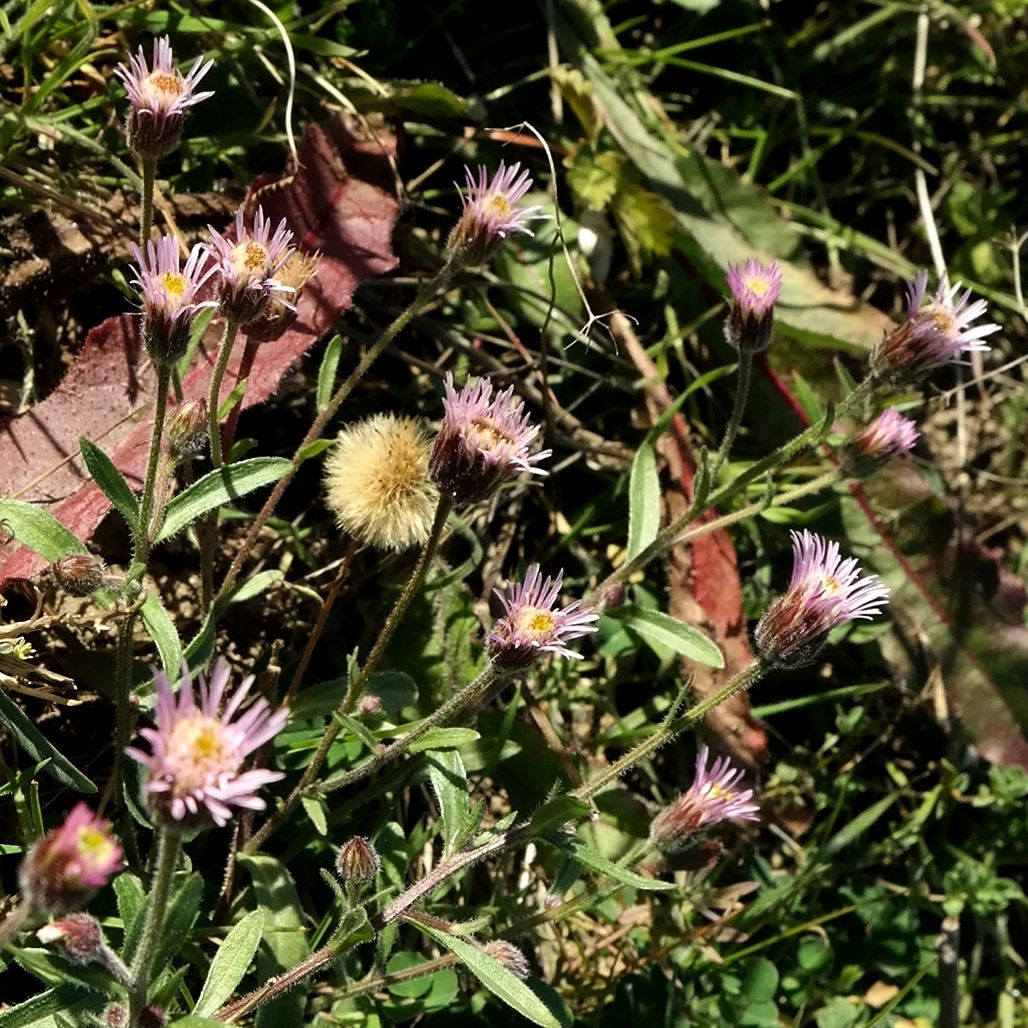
pixel 186 433
pixel 507 954
pixel 277 317
pixel 870 449
pixel 755 289
pixel 115 1016
pixel 68 864
pixel 78 936
pixel 153 1016
pixel 370 705
pixel 78 574
pixel 358 863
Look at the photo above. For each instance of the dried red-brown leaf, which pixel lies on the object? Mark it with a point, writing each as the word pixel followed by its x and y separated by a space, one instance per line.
pixel 340 201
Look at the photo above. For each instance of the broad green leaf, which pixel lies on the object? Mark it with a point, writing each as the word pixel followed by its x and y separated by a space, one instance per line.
pixel 178 922
pixel 111 481
pixel 328 369
pixel 164 633
pixel 284 937
pixel 35 744
pixel 40 1010
pixel 653 626
pixel 450 784
pixel 131 898
pixel 495 977
pixel 220 487
pixel 643 501
pixel 588 856
pixel 230 963
pixel 444 739
pixel 52 969
pixel 39 530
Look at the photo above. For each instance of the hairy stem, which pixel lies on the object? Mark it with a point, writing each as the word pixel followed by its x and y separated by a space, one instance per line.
pixel 360 680
pixel 142 529
pixel 146 202
pixel 13 923
pixel 742 392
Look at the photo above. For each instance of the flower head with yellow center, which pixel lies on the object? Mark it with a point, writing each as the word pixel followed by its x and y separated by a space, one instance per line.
pixel 159 96
pixel 194 772
pixel 825 591
pixel 248 266
pixel 755 289
pixel 934 333
pixel 491 213
pixel 531 625
pixel 873 446
pixel 713 797
pixel 169 293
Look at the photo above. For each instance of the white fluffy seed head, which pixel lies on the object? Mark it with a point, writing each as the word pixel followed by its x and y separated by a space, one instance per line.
pixel 377 485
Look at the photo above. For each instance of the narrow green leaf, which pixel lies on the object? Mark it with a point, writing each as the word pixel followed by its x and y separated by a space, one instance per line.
pixel 220 487
pixel 233 399
pixel 450 784
pixel 39 1011
pixel 178 922
pixel 328 369
pixel 316 810
pixel 131 898
pixel 111 481
pixel 254 586
pixel 556 812
pixel 35 744
pixel 164 633
pixel 230 963
pixel 313 449
pixel 586 855
pixel 860 824
pixel 653 626
pixel 39 530
pixel 444 739
pixel 643 501
pixel 808 399
pixel 495 977
pixel 196 1021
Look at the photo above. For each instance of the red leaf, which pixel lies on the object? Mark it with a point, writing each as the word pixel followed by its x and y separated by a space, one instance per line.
pixel 339 201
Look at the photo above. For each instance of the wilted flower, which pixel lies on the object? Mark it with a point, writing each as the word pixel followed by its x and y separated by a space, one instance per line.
pixel 186 431
pixel 755 289
pixel 159 97
pixel 278 317
pixel 483 441
pixel 490 213
pixel 889 435
pixel 68 864
pixel 248 267
pixel 169 295
pixel 824 592
pixel 376 482
pixel 358 863
pixel 934 333
pixel 194 770
pixel 78 574
pixel 713 797
pixel 531 625
pixel 507 954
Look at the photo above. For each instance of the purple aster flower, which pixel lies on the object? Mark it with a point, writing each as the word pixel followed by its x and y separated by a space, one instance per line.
pixel 870 449
pixel 483 441
pixel 755 290
pixel 248 266
pixel 194 768
pixel 490 213
pixel 169 295
pixel 934 333
pixel 66 866
pixel 159 98
pixel 713 797
pixel 824 592
pixel 531 626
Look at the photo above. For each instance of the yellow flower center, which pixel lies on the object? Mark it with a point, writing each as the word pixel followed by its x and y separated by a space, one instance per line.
pixel 499 205
pixel 250 260
pixel 199 751
pixel 536 623
pixel 831 585
pixel 163 87
pixel 174 284
pixel 759 286
pixel 487 436
pixel 95 845
pixel 942 319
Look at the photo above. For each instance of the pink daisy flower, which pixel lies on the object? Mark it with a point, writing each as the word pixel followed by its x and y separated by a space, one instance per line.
pixel 755 290
pixel 825 591
pixel 71 862
pixel 483 441
pixel 531 625
pixel 247 267
pixel 194 767
pixel 934 333
pixel 889 435
pixel 491 213
pixel 712 798
pixel 160 97
pixel 169 294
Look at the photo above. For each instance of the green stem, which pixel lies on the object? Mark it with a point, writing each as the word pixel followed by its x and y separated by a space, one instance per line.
pixel 444 715
pixel 169 842
pixel 742 392
pixel 214 399
pixel 360 680
pixel 743 680
pixel 325 415
pixel 146 202
pixel 143 541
